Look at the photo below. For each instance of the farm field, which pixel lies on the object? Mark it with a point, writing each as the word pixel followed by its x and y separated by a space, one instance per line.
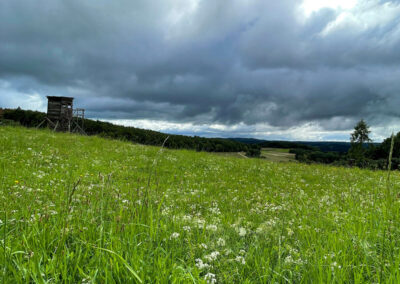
pixel 278 155
pixel 80 209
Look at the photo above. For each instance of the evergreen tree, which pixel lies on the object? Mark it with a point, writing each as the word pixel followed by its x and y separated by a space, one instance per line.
pixel 358 138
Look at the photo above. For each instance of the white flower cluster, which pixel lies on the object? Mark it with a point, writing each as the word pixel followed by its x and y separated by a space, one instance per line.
pixel 174 235
pixel 200 264
pixel 212 227
pixel 212 256
pixel 242 232
pixel 221 242
pixel 210 278
pixel 203 246
pixel 240 259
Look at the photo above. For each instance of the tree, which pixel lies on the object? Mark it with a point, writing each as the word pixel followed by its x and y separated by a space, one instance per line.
pixel 358 138
pixel 361 133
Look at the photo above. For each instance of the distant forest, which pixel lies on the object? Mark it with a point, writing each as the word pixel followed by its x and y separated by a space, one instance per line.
pixel 325 146
pixel 30 118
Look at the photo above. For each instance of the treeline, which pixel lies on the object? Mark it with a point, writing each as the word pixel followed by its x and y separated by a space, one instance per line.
pixel 362 153
pixel 287 145
pixel 317 156
pixel 375 157
pixel 324 146
pixel 147 137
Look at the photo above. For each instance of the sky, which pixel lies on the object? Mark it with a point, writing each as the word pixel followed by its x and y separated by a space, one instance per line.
pixel 278 70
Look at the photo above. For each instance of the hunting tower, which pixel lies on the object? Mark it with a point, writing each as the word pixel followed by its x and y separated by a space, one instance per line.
pixel 62 117
pixel 59 111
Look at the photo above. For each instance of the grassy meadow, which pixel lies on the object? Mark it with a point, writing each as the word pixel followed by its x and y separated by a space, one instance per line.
pixel 78 209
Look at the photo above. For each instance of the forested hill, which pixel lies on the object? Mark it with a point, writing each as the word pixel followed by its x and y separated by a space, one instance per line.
pixel 147 137
pixel 325 146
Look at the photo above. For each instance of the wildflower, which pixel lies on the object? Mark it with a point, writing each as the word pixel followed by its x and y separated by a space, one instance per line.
pixel 203 246
pixel 212 227
pixel 289 259
pixel 186 218
pixel 200 264
pixel 215 210
pixel 334 265
pixel 228 252
pixel 16 181
pixel 186 228
pixel 240 259
pixel 174 235
pixel 212 256
pixel 210 278
pixel 221 242
pixel 242 232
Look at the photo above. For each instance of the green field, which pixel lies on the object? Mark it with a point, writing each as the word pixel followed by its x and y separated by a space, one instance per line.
pixel 277 155
pixel 79 209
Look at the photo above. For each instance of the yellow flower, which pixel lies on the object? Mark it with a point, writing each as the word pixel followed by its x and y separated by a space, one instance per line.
pixel 16 181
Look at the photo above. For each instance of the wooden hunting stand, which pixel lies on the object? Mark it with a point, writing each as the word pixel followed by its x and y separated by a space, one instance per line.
pixel 60 115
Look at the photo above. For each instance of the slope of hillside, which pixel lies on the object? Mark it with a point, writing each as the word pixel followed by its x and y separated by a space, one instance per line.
pixel 85 209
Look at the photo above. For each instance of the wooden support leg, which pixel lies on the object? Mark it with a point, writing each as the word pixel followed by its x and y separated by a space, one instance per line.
pixel 55 127
pixel 40 124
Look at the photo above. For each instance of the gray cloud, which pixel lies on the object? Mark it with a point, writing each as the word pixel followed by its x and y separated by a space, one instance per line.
pixel 207 62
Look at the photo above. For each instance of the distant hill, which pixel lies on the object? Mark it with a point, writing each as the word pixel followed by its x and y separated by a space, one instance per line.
pixel 325 146
pixel 330 146
pixel 248 140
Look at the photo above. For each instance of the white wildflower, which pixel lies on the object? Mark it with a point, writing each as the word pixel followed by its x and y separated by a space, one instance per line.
pixel 200 223
pixel 289 259
pixel 174 235
pixel 186 218
pixel 242 232
pixel 165 211
pixel 212 256
pixel 187 228
pixel 221 242
pixel 200 264
pixel 335 264
pixel 215 210
pixel 228 252
pixel 240 259
pixel 203 246
pixel 212 228
pixel 210 278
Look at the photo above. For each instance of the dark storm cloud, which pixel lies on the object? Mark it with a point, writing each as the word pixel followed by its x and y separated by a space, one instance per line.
pixel 207 61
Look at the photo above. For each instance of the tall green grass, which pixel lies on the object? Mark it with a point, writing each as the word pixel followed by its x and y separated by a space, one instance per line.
pixel 80 209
